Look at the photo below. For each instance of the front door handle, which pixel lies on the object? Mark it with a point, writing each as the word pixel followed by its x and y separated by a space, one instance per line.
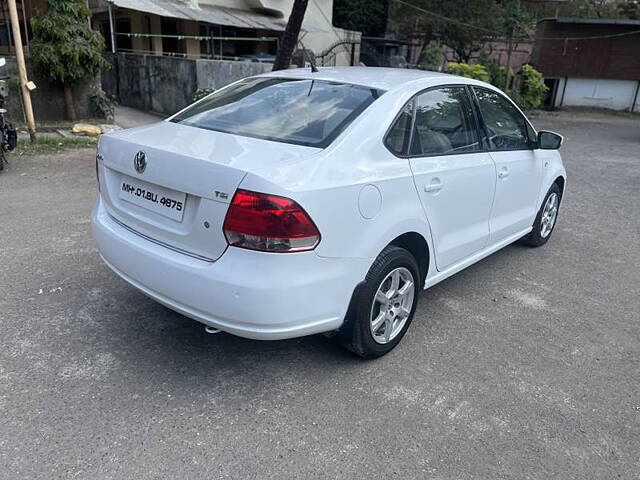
pixel 503 173
pixel 434 186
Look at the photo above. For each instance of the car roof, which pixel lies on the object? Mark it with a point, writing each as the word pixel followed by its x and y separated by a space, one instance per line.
pixel 375 77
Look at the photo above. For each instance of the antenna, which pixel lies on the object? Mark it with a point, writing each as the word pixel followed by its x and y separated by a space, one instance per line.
pixel 311 62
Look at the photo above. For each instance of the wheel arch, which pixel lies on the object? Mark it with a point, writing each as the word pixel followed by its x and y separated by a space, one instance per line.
pixel 417 245
pixel 560 181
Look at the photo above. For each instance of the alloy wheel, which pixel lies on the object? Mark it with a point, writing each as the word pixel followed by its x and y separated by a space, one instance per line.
pixel 392 305
pixel 549 215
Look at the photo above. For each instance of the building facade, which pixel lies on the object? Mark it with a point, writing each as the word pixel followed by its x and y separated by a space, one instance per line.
pixel 589 62
pixel 26 9
pixel 220 29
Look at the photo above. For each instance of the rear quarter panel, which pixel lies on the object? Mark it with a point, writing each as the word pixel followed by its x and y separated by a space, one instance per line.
pixel 337 187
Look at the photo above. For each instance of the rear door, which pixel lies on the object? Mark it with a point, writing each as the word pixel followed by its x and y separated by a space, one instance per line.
pixel 453 174
pixel 518 166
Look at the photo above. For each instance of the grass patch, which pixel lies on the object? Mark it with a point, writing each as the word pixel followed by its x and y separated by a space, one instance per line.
pixel 49 145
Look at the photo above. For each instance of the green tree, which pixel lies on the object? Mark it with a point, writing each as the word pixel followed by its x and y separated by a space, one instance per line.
pixel 366 16
pixel 630 9
pixel 497 72
pixel 516 25
pixel 590 8
pixel 65 48
pixel 431 56
pixel 464 26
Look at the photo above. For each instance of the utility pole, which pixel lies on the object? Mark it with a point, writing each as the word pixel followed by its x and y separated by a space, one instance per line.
pixel 22 69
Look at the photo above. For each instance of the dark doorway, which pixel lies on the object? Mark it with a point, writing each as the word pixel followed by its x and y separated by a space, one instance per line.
pixel 123 42
pixel 552 92
pixel 171 44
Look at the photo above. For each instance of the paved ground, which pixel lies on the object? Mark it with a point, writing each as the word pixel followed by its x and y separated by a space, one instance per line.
pixel 526 365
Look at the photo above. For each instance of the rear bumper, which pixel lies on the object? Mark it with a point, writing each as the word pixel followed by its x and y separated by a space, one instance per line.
pixel 264 296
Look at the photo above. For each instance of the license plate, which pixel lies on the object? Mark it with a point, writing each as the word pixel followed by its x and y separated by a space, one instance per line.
pixel 161 200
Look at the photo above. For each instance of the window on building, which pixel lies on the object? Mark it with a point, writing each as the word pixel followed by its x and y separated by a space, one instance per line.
pixel 123 42
pixel 170 43
pixel 4 34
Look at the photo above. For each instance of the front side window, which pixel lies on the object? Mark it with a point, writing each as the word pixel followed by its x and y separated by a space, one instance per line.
pixel 443 123
pixel 506 127
pixel 298 111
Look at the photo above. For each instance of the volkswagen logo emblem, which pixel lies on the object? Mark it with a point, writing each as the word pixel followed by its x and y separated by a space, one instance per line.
pixel 140 161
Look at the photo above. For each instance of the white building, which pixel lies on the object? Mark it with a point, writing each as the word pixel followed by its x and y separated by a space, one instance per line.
pixel 221 29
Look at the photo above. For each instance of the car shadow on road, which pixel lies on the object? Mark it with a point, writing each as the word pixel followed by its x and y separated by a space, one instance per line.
pixel 155 342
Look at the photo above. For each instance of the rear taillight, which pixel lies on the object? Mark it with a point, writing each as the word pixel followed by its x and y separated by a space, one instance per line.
pixel 269 223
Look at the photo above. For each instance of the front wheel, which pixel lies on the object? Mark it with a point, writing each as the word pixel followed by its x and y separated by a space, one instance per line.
pixel 546 218
pixel 383 305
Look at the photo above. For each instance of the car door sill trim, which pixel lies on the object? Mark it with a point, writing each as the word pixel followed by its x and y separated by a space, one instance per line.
pixel 456 267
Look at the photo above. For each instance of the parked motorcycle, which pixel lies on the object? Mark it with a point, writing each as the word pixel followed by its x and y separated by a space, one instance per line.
pixel 8 134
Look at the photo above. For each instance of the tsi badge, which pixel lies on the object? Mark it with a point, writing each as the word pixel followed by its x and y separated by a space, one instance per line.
pixel 140 161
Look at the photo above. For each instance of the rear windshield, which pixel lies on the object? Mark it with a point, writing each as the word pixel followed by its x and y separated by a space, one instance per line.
pixel 303 112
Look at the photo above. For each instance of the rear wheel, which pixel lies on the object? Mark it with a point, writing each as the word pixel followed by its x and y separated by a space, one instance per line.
pixel 546 219
pixel 383 306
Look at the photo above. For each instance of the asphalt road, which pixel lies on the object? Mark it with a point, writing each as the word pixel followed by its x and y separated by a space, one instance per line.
pixel 524 366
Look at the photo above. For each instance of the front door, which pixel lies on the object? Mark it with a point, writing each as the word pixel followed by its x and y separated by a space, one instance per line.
pixel 518 166
pixel 454 177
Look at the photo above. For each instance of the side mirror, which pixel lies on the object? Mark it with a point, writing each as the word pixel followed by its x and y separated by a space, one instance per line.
pixel 549 140
pixel 3 62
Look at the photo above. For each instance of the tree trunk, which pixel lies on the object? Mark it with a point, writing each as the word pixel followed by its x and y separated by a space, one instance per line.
pixel 68 102
pixel 290 35
pixel 508 75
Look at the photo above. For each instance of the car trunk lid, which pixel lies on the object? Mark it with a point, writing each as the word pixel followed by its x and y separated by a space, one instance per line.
pixel 173 183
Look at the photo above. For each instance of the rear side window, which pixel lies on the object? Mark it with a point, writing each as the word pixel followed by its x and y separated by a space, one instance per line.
pixel 444 123
pixel 397 139
pixel 506 126
pixel 298 111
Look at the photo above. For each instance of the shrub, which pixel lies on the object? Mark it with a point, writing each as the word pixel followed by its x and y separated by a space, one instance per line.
pixel 478 72
pixel 103 105
pixel 497 72
pixel 530 93
pixel 201 93
pixel 532 88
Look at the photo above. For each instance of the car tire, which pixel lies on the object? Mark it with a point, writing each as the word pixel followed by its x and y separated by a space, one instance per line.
pixel 546 219
pixel 372 329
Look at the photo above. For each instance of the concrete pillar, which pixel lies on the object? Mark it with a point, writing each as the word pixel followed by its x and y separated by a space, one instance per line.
pixel 156 29
pixel 137 26
pixel 192 47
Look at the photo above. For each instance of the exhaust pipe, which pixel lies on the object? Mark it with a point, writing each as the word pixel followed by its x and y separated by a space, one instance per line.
pixel 211 330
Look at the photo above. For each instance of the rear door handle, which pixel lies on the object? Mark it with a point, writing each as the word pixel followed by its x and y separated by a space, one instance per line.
pixel 434 186
pixel 503 173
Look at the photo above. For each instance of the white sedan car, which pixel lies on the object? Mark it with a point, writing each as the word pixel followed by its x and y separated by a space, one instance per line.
pixel 294 203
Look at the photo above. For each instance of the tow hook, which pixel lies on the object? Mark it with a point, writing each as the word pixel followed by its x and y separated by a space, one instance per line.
pixel 211 330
